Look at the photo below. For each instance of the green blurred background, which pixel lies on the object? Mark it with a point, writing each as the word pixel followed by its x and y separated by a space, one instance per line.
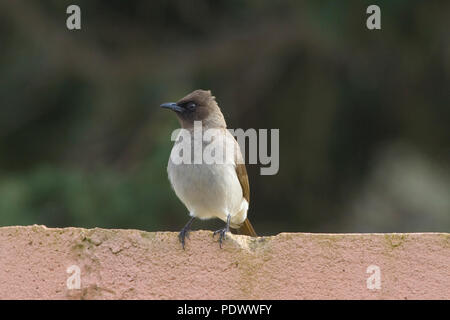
pixel 363 115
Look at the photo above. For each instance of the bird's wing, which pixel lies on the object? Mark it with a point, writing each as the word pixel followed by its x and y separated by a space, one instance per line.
pixel 241 171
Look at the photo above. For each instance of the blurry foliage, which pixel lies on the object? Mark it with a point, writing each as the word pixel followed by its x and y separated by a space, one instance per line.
pixel 83 142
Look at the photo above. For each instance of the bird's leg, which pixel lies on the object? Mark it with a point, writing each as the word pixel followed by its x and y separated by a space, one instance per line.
pixel 223 232
pixel 184 233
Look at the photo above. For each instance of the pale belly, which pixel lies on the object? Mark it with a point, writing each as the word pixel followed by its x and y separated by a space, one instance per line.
pixel 209 191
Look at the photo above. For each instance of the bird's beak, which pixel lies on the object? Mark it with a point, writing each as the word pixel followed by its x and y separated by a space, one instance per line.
pixel 172 106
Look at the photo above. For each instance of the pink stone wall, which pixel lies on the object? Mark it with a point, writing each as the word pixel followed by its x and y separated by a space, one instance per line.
pixel 132 264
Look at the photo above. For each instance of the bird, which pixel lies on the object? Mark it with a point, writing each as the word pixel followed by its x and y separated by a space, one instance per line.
pixel 209 189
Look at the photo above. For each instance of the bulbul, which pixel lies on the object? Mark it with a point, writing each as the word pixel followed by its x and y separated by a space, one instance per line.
pixel 217 189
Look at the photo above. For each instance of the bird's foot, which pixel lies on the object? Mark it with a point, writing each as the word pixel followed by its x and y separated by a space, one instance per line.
pixel 184 233
pixel 222 235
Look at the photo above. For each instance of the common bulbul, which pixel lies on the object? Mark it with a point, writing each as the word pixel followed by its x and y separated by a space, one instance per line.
pixel 209 190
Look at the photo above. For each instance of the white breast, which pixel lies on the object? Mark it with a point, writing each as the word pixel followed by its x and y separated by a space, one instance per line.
pixel 210 190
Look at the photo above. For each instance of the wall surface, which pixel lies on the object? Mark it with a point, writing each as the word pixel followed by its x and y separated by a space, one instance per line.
pixel 133 264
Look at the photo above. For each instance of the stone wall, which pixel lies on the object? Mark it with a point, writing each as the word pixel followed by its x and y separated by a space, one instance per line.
pixel 44 263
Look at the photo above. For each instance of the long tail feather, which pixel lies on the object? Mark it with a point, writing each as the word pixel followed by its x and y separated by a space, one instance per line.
pixel 247 229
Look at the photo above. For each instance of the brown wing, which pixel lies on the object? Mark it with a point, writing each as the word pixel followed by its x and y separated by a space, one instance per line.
pixel 241 172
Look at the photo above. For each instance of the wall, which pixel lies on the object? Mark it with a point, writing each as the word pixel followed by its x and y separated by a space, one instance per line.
pixel 133 264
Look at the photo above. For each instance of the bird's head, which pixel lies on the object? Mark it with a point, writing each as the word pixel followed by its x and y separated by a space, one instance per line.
pixel 199 105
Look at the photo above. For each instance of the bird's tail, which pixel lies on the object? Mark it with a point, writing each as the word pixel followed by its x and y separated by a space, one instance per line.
pixel 247 229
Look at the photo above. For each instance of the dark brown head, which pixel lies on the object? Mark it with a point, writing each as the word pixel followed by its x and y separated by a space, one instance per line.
pixel 199 105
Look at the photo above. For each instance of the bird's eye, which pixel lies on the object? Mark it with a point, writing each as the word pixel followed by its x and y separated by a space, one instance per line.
pixel 190 105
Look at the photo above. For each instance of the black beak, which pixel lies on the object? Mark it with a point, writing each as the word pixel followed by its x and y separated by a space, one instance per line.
pixel 172 106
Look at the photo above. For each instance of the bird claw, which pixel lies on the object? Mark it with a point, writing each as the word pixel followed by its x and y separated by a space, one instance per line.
pixel 184 233
pixel 222 235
